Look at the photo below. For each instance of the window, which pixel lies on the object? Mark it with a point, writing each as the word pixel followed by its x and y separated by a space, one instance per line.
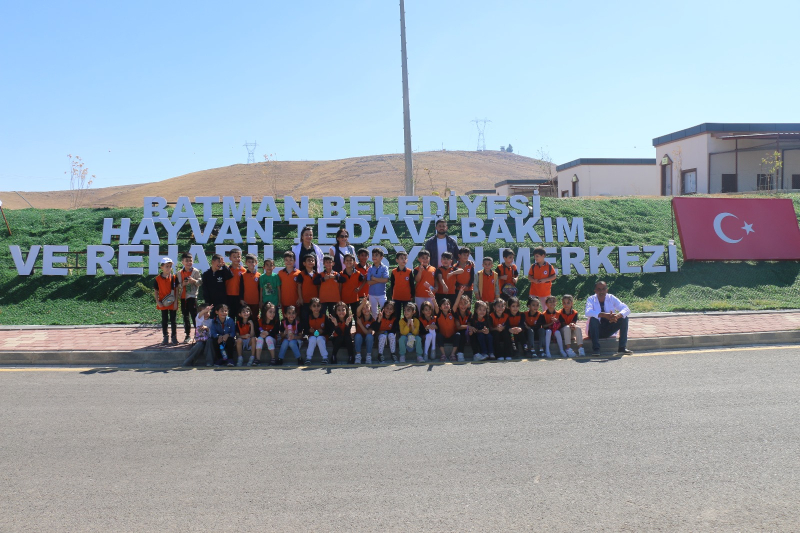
pixel 689 181
pixel 564 194
pixel 729 183
pixel 795 181
pixel 764 182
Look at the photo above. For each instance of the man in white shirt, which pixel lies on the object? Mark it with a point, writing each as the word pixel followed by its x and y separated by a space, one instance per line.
pixel 607 315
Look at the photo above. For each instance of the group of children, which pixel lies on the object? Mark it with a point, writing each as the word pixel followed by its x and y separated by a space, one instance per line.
pixel 302 308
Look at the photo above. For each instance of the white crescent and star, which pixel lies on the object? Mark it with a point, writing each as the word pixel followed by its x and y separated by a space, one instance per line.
pixel 748 228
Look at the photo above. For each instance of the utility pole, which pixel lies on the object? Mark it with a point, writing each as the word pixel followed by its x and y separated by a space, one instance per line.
pixel 406 111
pixel 251 150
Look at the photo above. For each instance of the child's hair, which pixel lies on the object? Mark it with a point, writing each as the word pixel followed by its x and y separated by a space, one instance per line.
pixel 248 257
pixel 533 302
pixel 290 309
pixel 351 256
pixel 425 305
pixel 186 255
pixel 314 301
pixel 223 306
pixel 266 307
pixel 239 318
pixel 326 258
pixel 424 253
pixel 550 299
pixel 215 257
pixel 400 254
pixel 341 305
pixel 410 307
pixel 269 260
pixel 500 302
pixel 447 255
pixel 201 307
pixel 464 298
pixel 464 250
pixel 312 257
pixel 445 302
pixel 235 249
pixel 366 310
pixel 377 251
pixel 489 259
pixel 513 300
pixel 539 251
pixel 567 297
pixel 507 252
pixel 362 251
pixel 387 305
pixel 480 304
pixel 288 253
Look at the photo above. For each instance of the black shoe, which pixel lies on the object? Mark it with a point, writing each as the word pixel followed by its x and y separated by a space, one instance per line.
pixel 334 361
pixel 166 340
pixel 280 362
pixel 624 351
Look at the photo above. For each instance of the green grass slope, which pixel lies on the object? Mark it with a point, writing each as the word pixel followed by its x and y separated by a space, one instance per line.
pixel 81 299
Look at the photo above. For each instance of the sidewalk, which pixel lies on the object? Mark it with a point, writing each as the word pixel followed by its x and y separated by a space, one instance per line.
pixel 142 344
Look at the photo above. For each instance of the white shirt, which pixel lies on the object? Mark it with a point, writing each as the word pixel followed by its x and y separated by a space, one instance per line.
pixel 611 303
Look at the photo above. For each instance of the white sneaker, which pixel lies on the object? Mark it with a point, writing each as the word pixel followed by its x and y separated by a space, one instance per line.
pixel 547 354
pixel 239 361
pixel 420 359
pixel 563 354
pixel 460 357
pixel 369 360
pixel 581 351
pixel 478 357
pixel 402 358
pixel 358 359
pixel 570 353
pixel 250 361
pixel 508 359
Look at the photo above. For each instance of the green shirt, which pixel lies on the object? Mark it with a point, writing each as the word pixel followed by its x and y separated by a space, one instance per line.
pixel 270 288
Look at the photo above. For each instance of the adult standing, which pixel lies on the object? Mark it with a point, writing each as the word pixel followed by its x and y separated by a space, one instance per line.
pixel 607 315
pixel 340 249
pixel 440 243
pixel 307 247
pixel 213 282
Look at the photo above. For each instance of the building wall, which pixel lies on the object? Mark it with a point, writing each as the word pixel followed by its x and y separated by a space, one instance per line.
pixel 611 180
pixel 686 154
pixel 749 164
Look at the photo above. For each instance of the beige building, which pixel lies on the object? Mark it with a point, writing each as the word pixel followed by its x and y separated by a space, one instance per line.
pixel 708 158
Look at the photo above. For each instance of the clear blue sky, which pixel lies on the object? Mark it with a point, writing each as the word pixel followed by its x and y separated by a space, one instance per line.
pixel 145 91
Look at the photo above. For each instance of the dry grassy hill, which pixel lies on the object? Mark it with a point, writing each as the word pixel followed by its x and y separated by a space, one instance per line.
pixel 368 176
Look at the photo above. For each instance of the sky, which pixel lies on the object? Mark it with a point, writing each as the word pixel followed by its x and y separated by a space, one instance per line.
pixel 145 91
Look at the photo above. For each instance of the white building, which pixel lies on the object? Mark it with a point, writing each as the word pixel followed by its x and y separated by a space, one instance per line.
pixel 708 158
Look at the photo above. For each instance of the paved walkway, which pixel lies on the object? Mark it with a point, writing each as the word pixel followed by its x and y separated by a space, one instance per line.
pixel 38 339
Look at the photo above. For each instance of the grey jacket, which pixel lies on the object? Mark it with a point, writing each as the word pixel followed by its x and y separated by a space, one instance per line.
pixel 191 288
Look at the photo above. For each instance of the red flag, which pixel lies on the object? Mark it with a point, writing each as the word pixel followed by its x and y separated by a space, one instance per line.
pixel 746 229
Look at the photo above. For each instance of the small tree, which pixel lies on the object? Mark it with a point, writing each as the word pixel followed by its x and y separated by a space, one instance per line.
pixel 502 148
pixel 509 149
pixel 772 164
pixel 79 180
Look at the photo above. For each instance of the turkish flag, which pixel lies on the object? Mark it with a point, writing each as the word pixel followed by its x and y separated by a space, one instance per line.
pixel 745 229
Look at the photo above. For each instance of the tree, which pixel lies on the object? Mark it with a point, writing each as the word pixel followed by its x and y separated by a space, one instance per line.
pixel 79 180
pixel 772 164
pixel 509 149
pixel 502 148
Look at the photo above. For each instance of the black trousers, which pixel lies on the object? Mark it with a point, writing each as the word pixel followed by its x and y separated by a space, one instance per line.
pixel 169 315
pixel 189 312
pixel 340 341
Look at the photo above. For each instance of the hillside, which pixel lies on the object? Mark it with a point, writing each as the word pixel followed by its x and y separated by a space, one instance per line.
pixel 367 176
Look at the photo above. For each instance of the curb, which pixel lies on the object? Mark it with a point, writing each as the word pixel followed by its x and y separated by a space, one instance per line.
pixel 173 358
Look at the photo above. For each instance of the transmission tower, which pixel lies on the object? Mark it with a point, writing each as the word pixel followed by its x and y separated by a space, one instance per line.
pixel 251 150
pixel 481 124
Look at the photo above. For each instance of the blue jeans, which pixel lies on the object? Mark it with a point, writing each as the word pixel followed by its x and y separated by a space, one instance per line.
pixel 294 345
pixel 603 329
pixel 485 342
pixel 360 340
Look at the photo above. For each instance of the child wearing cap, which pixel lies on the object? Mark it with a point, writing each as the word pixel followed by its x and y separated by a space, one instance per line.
pixel 165 291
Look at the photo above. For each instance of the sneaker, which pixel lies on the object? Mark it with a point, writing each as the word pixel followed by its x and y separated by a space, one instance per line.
pixel 174 339
pixel 358 360
pixel 477 357
pixel 187 339
pixel 491 357
pixel 257 362
pixel 209 364
pixel 548 355
pixel 394 358
pixel 420 359
pixel 230 363
pixel 563 353
pixel 239 361
pixel 324 361
pixel 383 361
pixel 250 361
pixel 570 352
pixel 166 340
pixel 508 359
pixel 307 362
pixel 460 357
pixel 581 352
pixel 624 351
pixel 368 360
pixel 402 358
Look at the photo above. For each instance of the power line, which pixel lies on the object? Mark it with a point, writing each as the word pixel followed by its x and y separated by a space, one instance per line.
pixel 481 124
pixel 251 150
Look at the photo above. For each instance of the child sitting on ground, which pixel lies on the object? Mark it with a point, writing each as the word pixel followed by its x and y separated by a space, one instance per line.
pixel 201 336
pixel 270 329
pixel 314 329
pixel 568 317
pixel 480 324
pixel 551 326
pixel 410 328
pixel 245 331
pixel 386 329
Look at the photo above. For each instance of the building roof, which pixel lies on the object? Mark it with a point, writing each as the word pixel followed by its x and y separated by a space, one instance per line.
pixel 540 181
pixel 481 191
pixel 714 127
pixel 604 161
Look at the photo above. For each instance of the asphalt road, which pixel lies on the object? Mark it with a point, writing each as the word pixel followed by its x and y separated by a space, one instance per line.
pixel 706 441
